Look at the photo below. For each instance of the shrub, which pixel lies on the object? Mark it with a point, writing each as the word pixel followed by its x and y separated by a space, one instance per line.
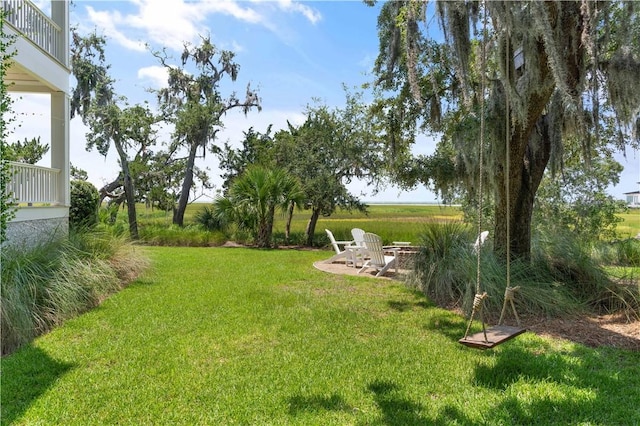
pixel 297 239
pixel 57 280
pixel 210 219
pixel 83 211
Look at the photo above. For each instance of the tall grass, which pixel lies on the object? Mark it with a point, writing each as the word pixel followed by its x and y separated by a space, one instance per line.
pixel 44 286
pixel 445 262
pixel 187 236
pixel 628 252
pixel 561 278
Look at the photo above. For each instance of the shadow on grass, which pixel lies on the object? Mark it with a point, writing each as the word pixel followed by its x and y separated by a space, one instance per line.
pixel 404 305
pixel 450 326
pixel 395 409
pixel 544 386
pixel 299 403
pixel 26 375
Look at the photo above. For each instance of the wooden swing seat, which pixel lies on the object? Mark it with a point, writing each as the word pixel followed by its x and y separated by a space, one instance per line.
pixel 495 335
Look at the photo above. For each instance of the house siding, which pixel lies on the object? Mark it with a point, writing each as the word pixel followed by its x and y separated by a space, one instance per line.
pixel 30 233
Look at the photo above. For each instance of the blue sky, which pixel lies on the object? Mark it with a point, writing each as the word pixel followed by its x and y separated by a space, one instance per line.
pixel 291 51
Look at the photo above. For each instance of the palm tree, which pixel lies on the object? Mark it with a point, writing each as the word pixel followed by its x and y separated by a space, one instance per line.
pixel 254 197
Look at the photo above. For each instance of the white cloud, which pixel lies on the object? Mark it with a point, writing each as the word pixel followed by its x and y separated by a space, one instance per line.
pixel 230 7
pixel 170 25
pixel 312 15
pixel 106 22
pixel 179 21
pixel 308 12
pixel 157 74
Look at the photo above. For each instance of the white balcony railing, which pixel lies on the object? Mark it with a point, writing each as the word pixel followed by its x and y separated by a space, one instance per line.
pixel 33 184
pixel 29 20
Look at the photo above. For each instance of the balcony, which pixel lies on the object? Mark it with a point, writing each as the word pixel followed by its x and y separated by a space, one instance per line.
pixel 40 64
pixel 34 185
pixel 27 19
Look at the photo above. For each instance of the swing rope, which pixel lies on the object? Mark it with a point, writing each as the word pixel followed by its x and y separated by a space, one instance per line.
pixel 478 300
pixel 509 293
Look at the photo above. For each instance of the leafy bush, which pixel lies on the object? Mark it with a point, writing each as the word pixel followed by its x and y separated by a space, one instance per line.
pixel 298 239
pixel 7 211
pixel 211 219
pixel 83 211
pixel 57 280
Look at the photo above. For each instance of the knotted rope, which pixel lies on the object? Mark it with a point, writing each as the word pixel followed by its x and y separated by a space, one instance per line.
pixel 509 296
pixel 478 304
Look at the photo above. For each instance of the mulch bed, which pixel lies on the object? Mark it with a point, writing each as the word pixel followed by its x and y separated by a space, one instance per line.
pixel 604 330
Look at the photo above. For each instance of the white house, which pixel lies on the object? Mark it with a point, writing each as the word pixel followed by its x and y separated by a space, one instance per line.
pixel 633 199
pixel 41 65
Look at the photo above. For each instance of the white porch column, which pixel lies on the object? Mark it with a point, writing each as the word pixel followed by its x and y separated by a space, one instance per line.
pixel 60 143
pixel 60 15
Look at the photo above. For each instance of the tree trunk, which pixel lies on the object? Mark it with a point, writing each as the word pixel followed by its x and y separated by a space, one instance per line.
pixel 525 174
pixel 311 226
pixel 107 190
pixel 265 229
pixel 187 183
pixel 262 237
pixel 287 228
pixel 129 191
pixel 529 148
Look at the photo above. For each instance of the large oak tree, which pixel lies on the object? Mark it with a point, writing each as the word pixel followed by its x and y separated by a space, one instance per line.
pixel 535 72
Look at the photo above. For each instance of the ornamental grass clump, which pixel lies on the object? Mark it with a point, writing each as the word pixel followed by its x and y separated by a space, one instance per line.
pixel 570 261
pixel 47 284
pixel 628 252
pixel 444 264
pixel 560 279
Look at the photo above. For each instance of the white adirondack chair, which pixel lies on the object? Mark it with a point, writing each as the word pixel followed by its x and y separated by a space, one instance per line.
pixel 480 240
pixel 358 252
pixel 341 252
pixel 377 258
pixel 358 236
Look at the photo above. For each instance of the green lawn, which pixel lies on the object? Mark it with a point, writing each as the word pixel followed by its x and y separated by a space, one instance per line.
pixel 227 336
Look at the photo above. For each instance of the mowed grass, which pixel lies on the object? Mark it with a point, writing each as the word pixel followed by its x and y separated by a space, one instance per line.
pixel 228 336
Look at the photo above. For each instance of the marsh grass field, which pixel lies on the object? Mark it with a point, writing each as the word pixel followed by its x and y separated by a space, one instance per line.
pixel 630 225
pixel 393 222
